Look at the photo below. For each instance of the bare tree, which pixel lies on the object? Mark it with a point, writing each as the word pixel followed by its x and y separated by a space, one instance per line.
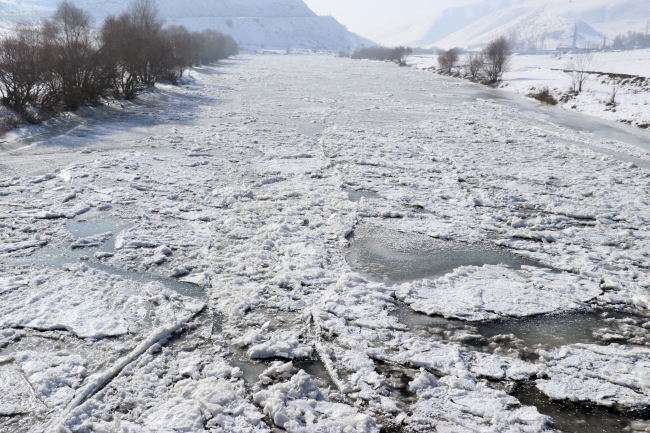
pixel 154 58
pixel 447 60
pixel 79 73
pixel 185 51
pixel 497 59
pixel 475 63
pixel 22 70
pixel 138 45
pixel 401 54
pixel 579 69
pixel 65 63
pixel 120 42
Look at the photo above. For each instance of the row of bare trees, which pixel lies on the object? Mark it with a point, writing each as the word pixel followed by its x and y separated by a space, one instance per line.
pixel 65 63
pixel 488 65
pixel 398 55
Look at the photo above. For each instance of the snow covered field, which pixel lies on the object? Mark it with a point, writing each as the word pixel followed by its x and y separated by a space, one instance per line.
pixel 250 252
pixel 530 73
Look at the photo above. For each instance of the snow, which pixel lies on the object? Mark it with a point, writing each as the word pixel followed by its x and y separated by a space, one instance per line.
pixel 463 404
pixel 607 376
pixel 255 24
pixel 633 99
pixel 100 339
pixel 536 27
pixel 298 405
pixel 534 21
pixel 487 293
pixel 528 74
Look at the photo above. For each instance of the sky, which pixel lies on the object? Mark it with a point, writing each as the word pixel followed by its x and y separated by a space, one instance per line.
pixel 372 18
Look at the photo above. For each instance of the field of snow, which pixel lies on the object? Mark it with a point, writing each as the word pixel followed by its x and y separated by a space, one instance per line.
pixel 530 73
pixel 246 252
pixel 254 24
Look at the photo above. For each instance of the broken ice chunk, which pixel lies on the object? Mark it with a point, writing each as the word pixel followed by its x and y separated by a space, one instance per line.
pixel 91 241
pixel 179 272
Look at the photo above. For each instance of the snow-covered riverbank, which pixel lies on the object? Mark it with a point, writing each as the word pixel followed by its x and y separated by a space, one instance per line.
pixel 285 200
pixel 530 74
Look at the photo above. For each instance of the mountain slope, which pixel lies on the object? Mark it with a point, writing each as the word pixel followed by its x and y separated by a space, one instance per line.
pixel 531 21
pixel 526 28
pixel 426 30
pixel 255 24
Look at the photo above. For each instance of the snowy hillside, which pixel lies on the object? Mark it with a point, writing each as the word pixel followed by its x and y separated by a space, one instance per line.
pixel 530 21
pixel 527 28
pixel 255 24
pixel 425 30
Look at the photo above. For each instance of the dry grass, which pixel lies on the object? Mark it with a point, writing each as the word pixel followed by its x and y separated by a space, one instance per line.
pixel 544 96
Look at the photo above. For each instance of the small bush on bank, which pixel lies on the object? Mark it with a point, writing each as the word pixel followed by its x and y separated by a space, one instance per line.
pixel 8 120
pixel 544 96
pixel 447 60
pixel 475 62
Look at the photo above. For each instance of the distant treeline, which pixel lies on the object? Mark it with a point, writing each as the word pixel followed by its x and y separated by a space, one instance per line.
pixel 631 40
pixel 398 54
pixel 65 63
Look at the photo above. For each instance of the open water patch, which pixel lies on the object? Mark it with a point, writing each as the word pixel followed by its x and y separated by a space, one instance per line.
pixel 252 370
pixel 582 418
pixel 393 257
pixel 547 331
pixel 556 330
pixel 58 255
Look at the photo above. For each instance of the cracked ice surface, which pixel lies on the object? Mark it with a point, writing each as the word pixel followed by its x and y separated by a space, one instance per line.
pixel 246 201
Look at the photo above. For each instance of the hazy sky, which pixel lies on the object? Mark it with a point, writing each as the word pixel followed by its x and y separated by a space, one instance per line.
pixel 370 18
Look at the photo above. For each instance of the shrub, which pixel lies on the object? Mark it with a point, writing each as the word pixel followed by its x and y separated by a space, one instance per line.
pixel 8 120
pixel 144 53
pixel 78 73
pixel 65 63
pixel 215 46
pixel 185 51
pixel 22 70
pixel 544 96
pixel 447 60
pixel 475 62
pixel 398 54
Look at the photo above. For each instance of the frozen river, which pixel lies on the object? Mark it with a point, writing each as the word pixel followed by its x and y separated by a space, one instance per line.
pixel 323 245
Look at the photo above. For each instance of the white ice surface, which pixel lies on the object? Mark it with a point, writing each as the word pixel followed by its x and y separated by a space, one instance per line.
pixel 607 376
pixel 492 292
pixel 262 220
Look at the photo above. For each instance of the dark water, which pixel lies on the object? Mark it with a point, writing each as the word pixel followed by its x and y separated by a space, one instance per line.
pixel 579 418
pixel 549 330
pixel 252 369
pixel 392 257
